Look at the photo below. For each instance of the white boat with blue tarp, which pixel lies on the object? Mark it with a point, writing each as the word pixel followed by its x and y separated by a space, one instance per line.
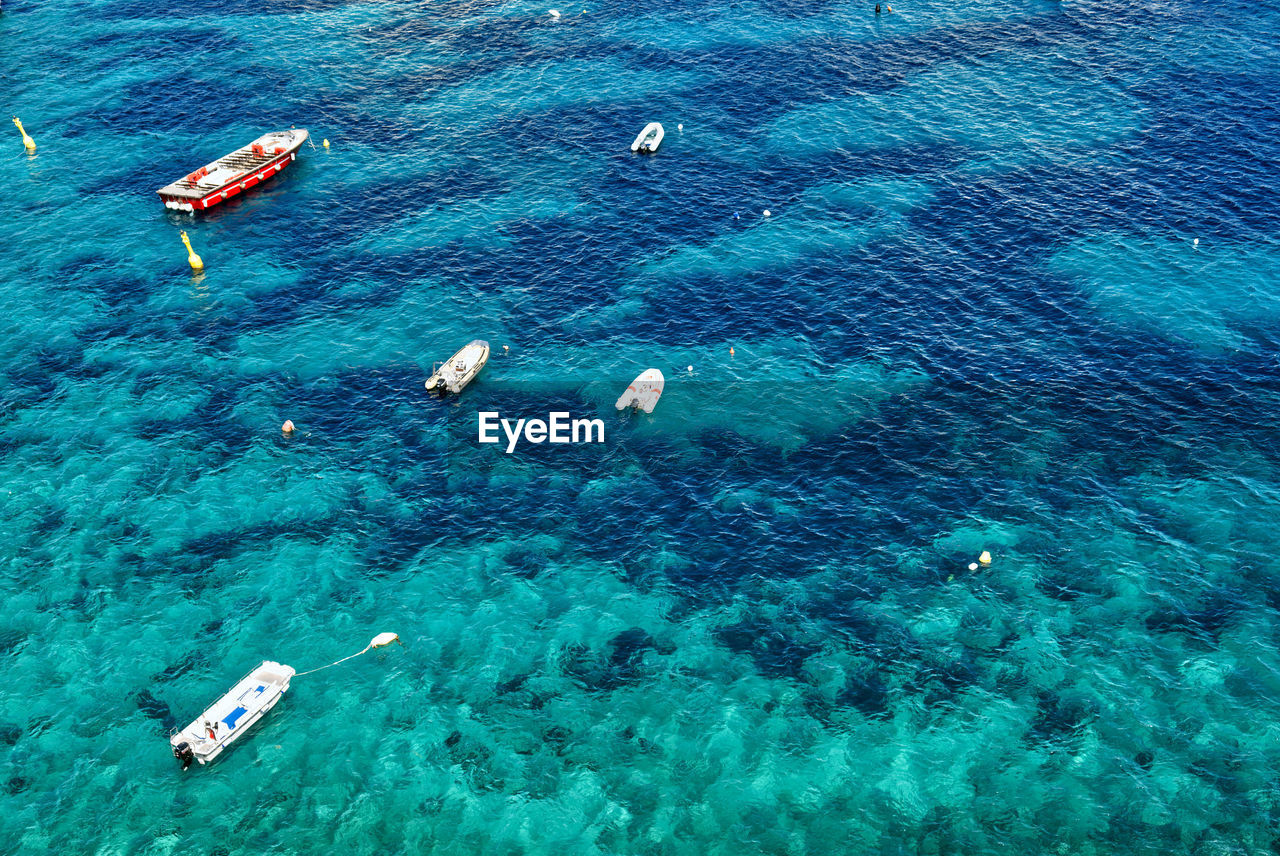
pixel 228 718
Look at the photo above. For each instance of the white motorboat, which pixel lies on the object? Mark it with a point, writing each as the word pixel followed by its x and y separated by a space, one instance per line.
pixel 460 369
pixel 228 718
pixel 643 392
pixel 650 138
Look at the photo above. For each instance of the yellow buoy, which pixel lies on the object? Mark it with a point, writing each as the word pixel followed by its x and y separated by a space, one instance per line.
pixel 26 139
pixel 325 143
pixel 985 558
pixel 192 258
pixel 731 350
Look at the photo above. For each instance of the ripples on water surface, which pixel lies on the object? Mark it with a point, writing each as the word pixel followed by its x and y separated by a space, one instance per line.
pixel 976 319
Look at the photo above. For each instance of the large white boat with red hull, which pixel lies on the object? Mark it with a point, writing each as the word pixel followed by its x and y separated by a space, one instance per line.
pixel 233 174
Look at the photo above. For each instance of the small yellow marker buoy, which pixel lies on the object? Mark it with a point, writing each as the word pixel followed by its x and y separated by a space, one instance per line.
pixel 325 143
pixel 287 427
pixel 731 350
pixel 26 139
pixel 192 258
pixel 985 558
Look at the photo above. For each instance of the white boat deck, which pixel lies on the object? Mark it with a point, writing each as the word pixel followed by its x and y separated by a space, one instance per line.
pixel 644 391
pixel 228 168
pixel 460 369
pixel 228 718
pixel 649 138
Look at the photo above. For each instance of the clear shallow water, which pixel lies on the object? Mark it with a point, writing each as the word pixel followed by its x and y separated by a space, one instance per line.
pixel 975 320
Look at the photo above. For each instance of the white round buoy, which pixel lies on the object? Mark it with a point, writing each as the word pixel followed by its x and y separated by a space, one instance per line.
pixel 973 566
pixel 383 639
pixel 555 13
pixel 690 368
pixel 506 348
pixel 679 127
pixel 1196 242
pixel 767 213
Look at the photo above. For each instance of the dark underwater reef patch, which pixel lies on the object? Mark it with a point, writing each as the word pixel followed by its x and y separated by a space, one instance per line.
pixel 525 562
pixel 620 664
pixel 10 640
pixel 191 564
pixel 864 690
pixel 1061 715
pixel 206 9
pixel 172 46
pixel 156 709
pixel 193 660
pixel 775 652
pixel 207 104
pixel 1205 616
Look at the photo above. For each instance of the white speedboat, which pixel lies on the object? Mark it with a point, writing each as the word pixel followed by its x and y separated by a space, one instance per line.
pixel 460 369
pixel 650 138
pixel 228 718
pixel 643 392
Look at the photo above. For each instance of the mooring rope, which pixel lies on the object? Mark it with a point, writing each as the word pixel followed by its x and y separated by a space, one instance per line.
pixel 378 641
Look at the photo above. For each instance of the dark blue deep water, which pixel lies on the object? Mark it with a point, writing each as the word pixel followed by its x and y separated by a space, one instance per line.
pixel 1017 290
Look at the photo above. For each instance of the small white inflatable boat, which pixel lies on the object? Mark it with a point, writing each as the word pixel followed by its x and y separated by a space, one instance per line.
pixel 224 721
pixel 460 370
pixel 650 138
pixel 644 392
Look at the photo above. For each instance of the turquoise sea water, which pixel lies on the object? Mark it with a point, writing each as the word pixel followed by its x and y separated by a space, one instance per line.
pixel 1017 292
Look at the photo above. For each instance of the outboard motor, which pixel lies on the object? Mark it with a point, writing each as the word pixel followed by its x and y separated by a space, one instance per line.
pixel 184 754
